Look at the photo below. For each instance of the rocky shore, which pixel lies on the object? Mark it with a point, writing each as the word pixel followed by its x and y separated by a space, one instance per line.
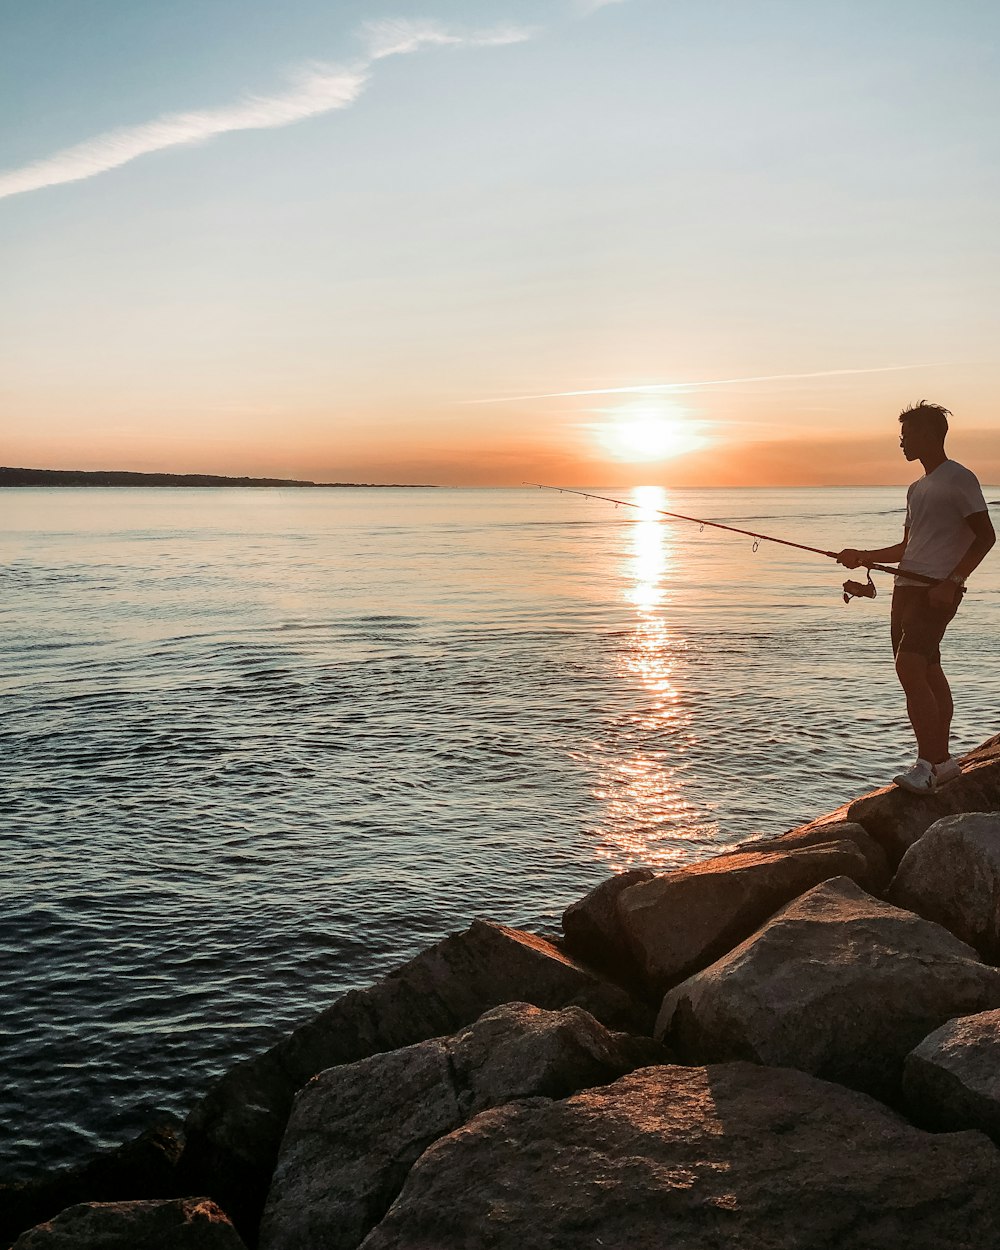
pixel 793 1044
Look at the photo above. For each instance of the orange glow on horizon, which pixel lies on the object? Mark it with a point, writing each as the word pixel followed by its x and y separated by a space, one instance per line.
pixel 754 446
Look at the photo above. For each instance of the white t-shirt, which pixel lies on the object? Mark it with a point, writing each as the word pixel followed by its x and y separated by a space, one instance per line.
pixel 936 507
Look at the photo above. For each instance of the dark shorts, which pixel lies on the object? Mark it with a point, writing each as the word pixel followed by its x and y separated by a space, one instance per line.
pixel 917 626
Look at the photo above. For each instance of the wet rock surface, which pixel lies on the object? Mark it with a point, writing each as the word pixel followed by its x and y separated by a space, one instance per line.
pixel 952 875
pixel 699 1158
pixel 355 1130
pixel 178 1224
pixel 680 922
pixel 838 984
pixel 952 1079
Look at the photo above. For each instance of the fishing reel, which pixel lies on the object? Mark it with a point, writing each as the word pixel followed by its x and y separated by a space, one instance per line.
pixel 860 590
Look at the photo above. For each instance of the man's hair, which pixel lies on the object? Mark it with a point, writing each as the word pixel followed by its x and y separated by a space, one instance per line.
pixel 930 417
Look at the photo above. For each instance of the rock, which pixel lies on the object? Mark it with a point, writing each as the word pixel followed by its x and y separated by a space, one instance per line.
pixel 352 1136
pixel 142 1168
pixel 617 1008
pixel 817 834
pixel 680 922
pixel 952 1079
pixel 697 1159
pixel 234 1132
pixel 178 1224
pixel 519 1051
pixel 838 984
pixel 895 818
pixel 356 1130
pixel 952 875
pixel 593 931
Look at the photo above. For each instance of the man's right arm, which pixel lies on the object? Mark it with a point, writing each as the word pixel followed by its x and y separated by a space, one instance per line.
pixel 851 558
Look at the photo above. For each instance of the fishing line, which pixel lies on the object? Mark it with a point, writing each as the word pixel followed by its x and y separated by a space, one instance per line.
pixel 852 590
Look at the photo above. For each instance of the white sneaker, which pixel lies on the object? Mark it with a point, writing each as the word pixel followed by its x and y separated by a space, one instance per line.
pixel 946 771
pixel 919 779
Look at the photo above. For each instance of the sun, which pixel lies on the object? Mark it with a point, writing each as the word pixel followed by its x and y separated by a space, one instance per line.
pixel 647 432
pixel 650 438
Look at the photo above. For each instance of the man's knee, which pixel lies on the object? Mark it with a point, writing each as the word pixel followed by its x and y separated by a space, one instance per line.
pixel 911 668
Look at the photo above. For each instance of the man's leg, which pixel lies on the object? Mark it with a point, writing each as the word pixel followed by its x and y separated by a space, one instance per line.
pixel 929 725
pixel 942 695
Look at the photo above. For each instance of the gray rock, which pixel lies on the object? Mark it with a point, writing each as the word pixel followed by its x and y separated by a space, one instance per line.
pixel 592 928
pixel 895 818
pixel 952 875
pixel 520 1051
pixel 838 984
pixel 698 1159
pixel 234 1132
pixel 174 1224
pixel 818 833
pixel 680 922
pixel 952 1079
pixel 355 1130
pixel 352 1136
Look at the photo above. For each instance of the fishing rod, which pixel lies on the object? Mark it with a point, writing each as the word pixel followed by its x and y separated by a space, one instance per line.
pixel 852 590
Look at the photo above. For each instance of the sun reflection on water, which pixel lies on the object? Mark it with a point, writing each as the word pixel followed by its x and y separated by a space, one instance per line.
pixel 647 821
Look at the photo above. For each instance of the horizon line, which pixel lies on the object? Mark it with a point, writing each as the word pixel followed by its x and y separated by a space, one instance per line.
pixel 271 481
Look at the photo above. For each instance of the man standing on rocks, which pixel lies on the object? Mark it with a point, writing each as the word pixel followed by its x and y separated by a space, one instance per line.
pixel 946 535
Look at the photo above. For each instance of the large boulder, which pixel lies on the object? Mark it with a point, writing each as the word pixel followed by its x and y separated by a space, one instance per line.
pixel 952 1079
pixel 681 921
pixel 178 1224
pixel 696 1159
pixel 520 1051
pixel 356 1130
pixel 896 819
pixel 593 930
pixel 838 984
pixel 142 1168
pixel 952 875
pixel 233 1133
pixel 818 833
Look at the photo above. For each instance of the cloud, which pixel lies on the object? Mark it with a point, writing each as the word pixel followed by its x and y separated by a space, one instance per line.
pixel 314 90
pixel 586 7
pixel 654 388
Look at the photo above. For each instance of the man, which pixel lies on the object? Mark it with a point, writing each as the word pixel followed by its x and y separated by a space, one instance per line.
pixel 946 535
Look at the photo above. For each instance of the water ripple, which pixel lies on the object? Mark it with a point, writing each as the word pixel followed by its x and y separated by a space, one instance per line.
pixel 253 755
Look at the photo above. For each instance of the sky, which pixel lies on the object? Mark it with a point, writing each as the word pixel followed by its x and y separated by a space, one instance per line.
pixel 685 242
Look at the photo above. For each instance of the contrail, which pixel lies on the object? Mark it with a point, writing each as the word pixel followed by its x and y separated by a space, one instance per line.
pixel 398 36
pixel 684 386
pixel 316 89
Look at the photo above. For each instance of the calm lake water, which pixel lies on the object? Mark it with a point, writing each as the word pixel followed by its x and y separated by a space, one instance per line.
pixel 260 746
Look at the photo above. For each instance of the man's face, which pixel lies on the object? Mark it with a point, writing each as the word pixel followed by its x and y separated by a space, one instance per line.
pixel 911 441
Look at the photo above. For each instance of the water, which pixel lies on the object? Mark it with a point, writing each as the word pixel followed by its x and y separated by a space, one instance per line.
pixel 259 746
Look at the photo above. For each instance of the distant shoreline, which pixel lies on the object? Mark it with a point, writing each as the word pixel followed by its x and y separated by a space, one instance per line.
pixel 112 478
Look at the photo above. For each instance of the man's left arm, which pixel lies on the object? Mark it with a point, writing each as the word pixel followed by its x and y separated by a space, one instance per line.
pixel 984 536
